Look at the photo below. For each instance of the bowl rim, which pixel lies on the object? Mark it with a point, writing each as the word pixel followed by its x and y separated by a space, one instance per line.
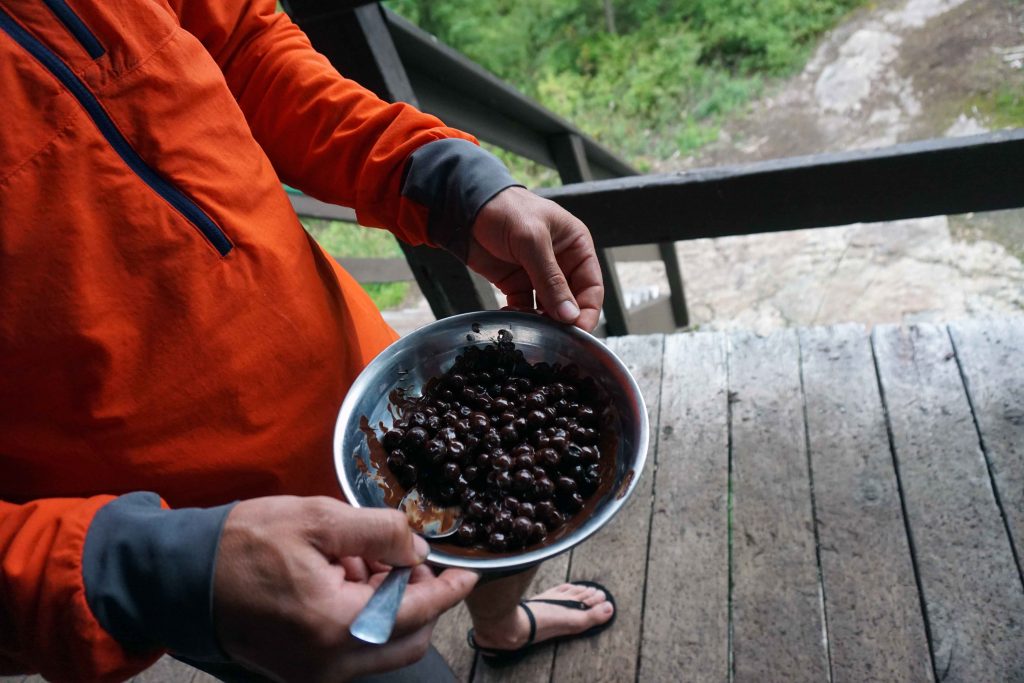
pixel 510 561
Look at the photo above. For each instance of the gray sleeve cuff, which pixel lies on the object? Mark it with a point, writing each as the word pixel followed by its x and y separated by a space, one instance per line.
pixel 148 574
pixel 453 178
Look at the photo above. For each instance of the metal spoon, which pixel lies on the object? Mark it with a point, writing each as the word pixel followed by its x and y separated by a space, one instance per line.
pixel 377 619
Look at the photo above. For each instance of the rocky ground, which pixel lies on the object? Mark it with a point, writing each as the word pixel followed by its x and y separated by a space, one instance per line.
pixel 896 71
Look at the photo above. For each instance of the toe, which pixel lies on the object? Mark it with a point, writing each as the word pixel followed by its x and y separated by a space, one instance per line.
pixel 596 597
pixel 604 612
pixel 576 592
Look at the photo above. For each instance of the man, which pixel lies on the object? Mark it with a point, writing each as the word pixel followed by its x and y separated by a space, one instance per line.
pixel 171 342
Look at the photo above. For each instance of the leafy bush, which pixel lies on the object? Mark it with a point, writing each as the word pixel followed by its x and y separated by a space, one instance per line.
pixel 661 84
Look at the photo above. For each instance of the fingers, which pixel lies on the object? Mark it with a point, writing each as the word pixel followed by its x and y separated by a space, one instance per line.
pixel 339 531
pixel 427 599
pixel 525 244
pixel 586 282
pixel 553 293
pixel 355 569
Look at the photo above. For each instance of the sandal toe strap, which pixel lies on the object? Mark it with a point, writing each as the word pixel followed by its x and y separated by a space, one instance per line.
pixel 571 604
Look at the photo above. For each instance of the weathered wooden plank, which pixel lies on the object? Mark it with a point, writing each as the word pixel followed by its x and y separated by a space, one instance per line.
pixel 203 677
pixel 535 667
pixel 650 317
pixel 872 606
pixel 450 640
pixel 776 597
pixel 12 679
pixel 617 555
pixel 991 358
pixel 377 269
pixel 167 669
pixel 307 206
pixel 974 600
pixel 686 619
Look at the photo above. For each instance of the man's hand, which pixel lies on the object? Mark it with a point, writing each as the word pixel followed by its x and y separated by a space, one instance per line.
pixel 525 244
pixel 293 573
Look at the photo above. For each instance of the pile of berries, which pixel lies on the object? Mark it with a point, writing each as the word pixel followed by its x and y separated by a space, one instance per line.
pixel 515 444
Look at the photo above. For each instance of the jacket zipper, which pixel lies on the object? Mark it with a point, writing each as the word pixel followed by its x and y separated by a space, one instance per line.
pixel 77 27
pixel 172 195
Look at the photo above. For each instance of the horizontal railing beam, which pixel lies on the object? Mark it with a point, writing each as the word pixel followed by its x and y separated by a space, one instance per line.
pixel 377 269
pixel 306 206
pixel 917 179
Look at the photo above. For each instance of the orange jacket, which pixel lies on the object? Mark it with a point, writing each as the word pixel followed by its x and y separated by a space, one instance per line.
pixel 165 323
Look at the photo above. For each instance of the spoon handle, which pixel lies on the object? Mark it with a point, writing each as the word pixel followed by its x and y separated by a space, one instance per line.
pixel 374 623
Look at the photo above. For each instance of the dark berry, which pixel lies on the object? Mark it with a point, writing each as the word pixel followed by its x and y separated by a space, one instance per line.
pixel 503 520
pixel 523 480
pixel 508 435
pixel 585 415
pixel 521 528
pixel 467 532
pixel 521 462
pixel 476 510
pixel 498 542
pixel 548 457
pixel 392 438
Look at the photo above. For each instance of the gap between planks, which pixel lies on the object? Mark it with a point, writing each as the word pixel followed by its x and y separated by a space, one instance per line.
pixel 969 583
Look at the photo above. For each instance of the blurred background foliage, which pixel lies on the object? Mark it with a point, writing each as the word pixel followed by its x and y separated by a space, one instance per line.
pixel 651 79
pixel 648 78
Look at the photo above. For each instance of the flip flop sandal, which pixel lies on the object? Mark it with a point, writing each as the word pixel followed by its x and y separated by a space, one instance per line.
pixel 500 658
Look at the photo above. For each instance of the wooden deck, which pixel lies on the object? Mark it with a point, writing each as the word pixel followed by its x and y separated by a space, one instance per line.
pixel 819 505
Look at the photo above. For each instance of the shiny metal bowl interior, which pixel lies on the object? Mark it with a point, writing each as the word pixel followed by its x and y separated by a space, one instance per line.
pixel 430 351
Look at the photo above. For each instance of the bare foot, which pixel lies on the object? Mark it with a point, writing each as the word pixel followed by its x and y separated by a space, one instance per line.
pixel 512 632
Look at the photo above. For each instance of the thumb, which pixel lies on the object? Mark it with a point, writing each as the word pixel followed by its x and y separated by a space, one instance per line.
pixel 370 533
pixel 553 293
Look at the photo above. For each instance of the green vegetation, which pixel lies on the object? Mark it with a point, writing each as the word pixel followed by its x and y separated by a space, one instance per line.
pixel 352 241
pixel 1002 108
pixel 660 84
pixel 656 81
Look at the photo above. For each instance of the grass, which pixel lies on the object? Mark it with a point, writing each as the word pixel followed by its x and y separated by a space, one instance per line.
pixel 344 240
pixel 1002 108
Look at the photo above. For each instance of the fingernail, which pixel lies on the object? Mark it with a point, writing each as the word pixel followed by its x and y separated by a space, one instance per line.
pixel 567 311
pixel 421 546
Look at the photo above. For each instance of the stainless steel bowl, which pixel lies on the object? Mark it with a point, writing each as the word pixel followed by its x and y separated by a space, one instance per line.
pixel 430 351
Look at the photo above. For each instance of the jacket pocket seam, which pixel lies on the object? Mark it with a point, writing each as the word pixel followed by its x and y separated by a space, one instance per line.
pixel 63 126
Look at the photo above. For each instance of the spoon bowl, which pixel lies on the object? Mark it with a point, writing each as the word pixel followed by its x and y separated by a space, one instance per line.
pixel 427 519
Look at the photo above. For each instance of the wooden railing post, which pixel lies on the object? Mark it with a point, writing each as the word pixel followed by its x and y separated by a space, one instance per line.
pixel 572 166
pixel 359 45
pixel 674 274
